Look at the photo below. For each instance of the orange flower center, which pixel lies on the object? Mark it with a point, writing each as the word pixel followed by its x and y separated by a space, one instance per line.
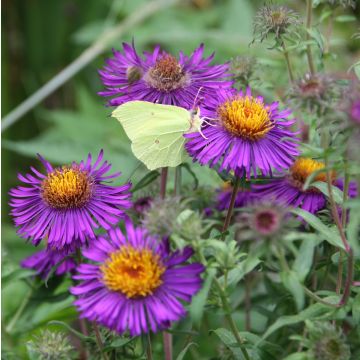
pixel 245 117
pixel 66 188
pixel 133 272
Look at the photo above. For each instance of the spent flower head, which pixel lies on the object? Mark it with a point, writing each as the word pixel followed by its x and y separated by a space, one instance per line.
pixel 51 345
pixel 327 342
pixel 276 20
pixel 243 69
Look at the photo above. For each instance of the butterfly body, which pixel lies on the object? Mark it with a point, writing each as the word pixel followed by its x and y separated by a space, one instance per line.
pixel 156 131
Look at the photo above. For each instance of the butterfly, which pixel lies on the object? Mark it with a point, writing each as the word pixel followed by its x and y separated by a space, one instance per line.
pixel 156 131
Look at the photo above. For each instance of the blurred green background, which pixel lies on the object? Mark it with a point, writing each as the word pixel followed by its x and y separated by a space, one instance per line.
pixel 40 37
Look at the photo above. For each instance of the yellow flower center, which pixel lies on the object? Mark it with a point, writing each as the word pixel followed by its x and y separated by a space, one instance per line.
pixel 245 117
pixel 166 75
pixel 304 167
pixel 133 272
pixel 66 188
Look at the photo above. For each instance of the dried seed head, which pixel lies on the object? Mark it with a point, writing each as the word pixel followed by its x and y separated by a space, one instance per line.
pixel 243 68
pixel 51 345
pixel 275 20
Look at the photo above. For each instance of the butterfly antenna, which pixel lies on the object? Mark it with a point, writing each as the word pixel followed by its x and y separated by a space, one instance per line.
pixel 197 95
pixel 201 133
pixel 206 122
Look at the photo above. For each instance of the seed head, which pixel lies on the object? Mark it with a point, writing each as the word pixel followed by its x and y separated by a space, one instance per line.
pixel 274 19
pixel 51 345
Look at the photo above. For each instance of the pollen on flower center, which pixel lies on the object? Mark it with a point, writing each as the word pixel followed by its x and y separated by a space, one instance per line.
pixel 133 272
pixel 66 188
pixel 303 168
pixel 167 74
pixel 245 117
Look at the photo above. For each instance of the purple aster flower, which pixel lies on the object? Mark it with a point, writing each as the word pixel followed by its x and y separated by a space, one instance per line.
pixel 160 77
pixel 244 197
pixel 355 111
pixel 289 189
pixel 245 135
pixel 136 283
pixel 44 260
pixel 67 203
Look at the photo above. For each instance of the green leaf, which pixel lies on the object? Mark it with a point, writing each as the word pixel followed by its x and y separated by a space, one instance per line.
pixel 345 18
pixel 8 277
pixel 304 259
pixel 243 268
pixel 199 300
pixel 297 356
pixel 73 331
pixel 312 312
pixel 330 234
pixel 118 342
pixel 356 309
pixel 317 36
pixel 336 192
pixel 291 281
pixel 184 351
pixel 229 340
pixel 146 180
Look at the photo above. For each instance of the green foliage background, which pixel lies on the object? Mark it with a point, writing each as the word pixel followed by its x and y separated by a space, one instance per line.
pixel 40 37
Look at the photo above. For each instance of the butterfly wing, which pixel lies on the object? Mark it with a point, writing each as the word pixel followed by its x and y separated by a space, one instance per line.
pixel 156 132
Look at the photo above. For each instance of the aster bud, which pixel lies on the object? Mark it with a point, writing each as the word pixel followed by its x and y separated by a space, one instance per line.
pixel 189 225
pixel 243 68
pixel 160 219
pixel 326 342
pixel 275 20
pixel 141 205
pixel 50 345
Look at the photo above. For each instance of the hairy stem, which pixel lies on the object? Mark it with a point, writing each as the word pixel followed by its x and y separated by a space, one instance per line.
pixel 148 347
pixel 232 203
pixel 308 37
pixel 229 318
pixel 167 340
pixel 97 48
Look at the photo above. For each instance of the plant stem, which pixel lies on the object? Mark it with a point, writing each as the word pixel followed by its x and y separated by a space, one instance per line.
pixel 167 340
pixel 349 278
pixel 99 341
pixel 308 27
pixel 148 347
pixel 177 181
pixel 19 311
pixel 88 55
pixel 319 299
pixel 227 309
pixel 163 180
pixel 340 272
pixel 232 203
pixel 288 63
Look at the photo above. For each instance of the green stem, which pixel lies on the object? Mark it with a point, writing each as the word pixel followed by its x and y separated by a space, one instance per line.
pixel 177 181
pixel 318 298
pixel 232 203
pixel 229 318
pixel 167 340
pixel 308 27
pixel 288 63
pixel 99 341
pixel 19 311
pixel 97 48
pixel 148 347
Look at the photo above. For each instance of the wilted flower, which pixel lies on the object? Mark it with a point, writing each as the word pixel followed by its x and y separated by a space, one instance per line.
pixel 263 219
pixel 160 77
pixel 245 135
pixel 68 202
pixel 315 93
pixel 326 342
pixel 51 345
pixel 44 261
pixel 276 20
pixel 136 283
